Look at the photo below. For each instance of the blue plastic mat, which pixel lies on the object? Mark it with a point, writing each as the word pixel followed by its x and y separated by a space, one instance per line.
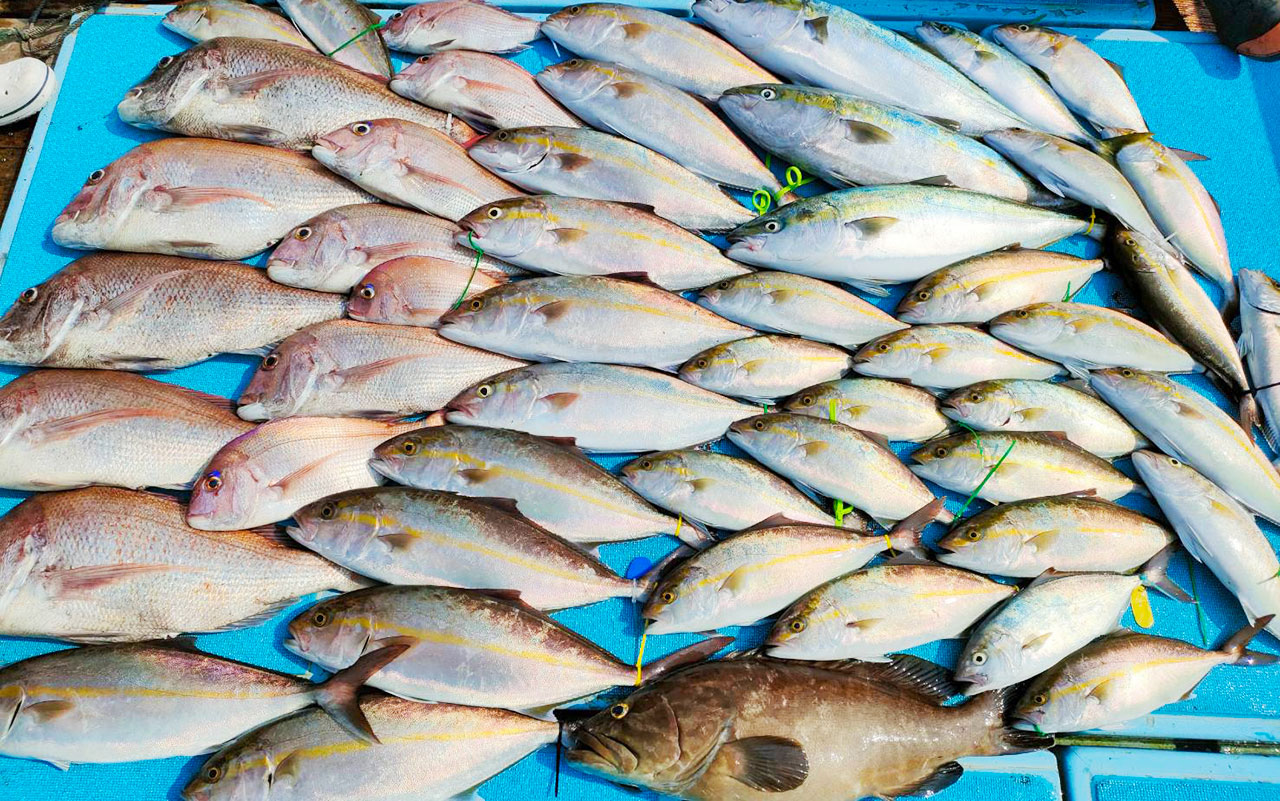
pixel 1173 78
pixel 1128 774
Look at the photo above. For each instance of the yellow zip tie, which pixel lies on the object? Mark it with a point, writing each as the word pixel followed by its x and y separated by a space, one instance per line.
pixel 1093 217
pixel 375 26
pixel 640 654
pixel 888 543
pixel 679 523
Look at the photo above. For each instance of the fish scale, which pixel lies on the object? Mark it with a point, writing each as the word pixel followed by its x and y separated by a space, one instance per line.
pixel 483 89
pixel 459 25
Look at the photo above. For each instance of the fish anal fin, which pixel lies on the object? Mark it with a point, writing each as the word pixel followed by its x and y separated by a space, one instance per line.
pixel 946 775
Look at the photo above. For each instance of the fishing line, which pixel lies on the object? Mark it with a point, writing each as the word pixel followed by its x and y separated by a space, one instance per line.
pixel 986 478
pixel 479 253
pixel 1195 599
pixel 375 26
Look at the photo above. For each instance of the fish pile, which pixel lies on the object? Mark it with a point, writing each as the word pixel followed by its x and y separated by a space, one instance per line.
pixel 483 280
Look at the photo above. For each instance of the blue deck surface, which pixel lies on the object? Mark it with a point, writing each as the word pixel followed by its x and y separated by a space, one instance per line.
pixel 1127 774
pixel 1197 96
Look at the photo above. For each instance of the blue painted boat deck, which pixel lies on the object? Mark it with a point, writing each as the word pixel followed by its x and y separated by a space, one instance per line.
pixel 1195 93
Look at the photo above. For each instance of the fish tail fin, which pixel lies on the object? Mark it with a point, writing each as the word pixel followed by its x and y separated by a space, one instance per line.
pixel 1230 303
pixel 1250 417
pixel 905 536
pixel 695 535
pixel 643 587
pixel 1155 573
pixel 339 696
pixel 996 706
pixel 1237 646
pixel 685 656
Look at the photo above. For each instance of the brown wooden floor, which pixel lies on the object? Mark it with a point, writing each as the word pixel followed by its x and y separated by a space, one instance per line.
pixel 14 138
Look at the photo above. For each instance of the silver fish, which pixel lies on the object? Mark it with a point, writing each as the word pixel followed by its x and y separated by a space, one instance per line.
pixel 722 491
pixel 659 116
pixel 1005 77
pixel 592 318
pixel 819 43
pixel 578 236
pixel 485 90
pixel 199 197
pixel 1191 428
pixel 416 290
pixel 1019 404
pixel 459 25
pixel 1217 531
pixel 1260 344
pixel 880 610
pixel 1055 616
pixel 756 573
pixel 280 466
pixel 796 304
pixel 891 409
pixel 102 564
pixel 648 41
pixel 888 234
pixel 1183 209
pixel 152 701
pixel 1089 84
pixel 345 368
pixel 266 93
pixel 307 755
pixel 72 428
pixel 400 535
pixel 344 30
pixel 1126 676
pixel 605 408
pixel 202 20
pixel 552 484
pixel 1072 533
pixel 410 164
pixel 947 356
pixel 1084 337
pixel 580 162
pixel 768 366
pixel 466 646
pixel 332 251
pixel 1031 465
pixel 127 311
pixel 847 140
pixel 1071 171
pixel 977 289
pixel 837 461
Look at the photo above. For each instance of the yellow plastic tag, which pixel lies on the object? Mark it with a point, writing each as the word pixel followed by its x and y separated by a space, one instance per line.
pixel 1141 605
pixel 640 656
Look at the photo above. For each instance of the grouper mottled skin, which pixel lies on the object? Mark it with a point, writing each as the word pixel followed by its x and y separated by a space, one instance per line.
pixel 751 729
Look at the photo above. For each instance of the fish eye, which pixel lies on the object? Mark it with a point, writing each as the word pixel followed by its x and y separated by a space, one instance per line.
pixel 367 292
pixel 29 295
pixel 619 710
pixel 503 136
pixel 575 10
pixel 1024 28
pixel 423 59
pixel 939 452
pixel 668 597
pixel 484 390
pixel 768 94
pixel 409 448
pixel 271 361
pixel 883 347
pixel 975 397
pixel 724 285
pixel 213 481
pixel 807 400
pixel 397 15
pixel 328 511
pixel 1174 462
pixel 476 304
pixel 573 63
pixel 1039 699
pixel 978 658
pixel 320 618
pixel 701 364
pixel 924 294
pixel 164 62
pixel 773 226
pixel 646 464
pixel 361 128
pixel 1127 373
pixel 798 625
pixel 944 28
pixel 758 425
pixel 212 773
pixel 1128 240
pixel 494 212
pixel 1022 314
pixel 973 535
pixel 97 175
pixel 302 233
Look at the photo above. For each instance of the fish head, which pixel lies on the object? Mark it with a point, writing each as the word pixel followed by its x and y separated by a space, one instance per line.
pixel 424 21
pixel 311 254
pixel 1020 145
pixel 241 771
pixel 775 436
pixel 507 228
pixel 686 595
pixel 1140 152
pixel 961 47
pixel 585 26
pixel 502 401
pixel 383 295
pixel 988 657
pixel 784 116
pixel 813 621
pixel 1168 476
pixel 986 405
pixel 502 314
pixel 935 298
pixel 347 525
pixel 440 77
pixel 228 490
pixel 335 632
pixel 662 477
pixel 789 235
pixel 978 543
pixel 752 24
pixel 511 151
pixel 1259 290
pixel 92 218
pixel 1033 326
pixel 175 80
pixel 716 367
pixel 428 457
pixel 364 147
pixel 1033 44
pixel 956 461
pixel 287 378
pixel 738 296
pixel 1046 707
pixel 192 20
pixel 578 79
pixel 34 327
pixel 1127 388
pixel 899 353
pixel 24 533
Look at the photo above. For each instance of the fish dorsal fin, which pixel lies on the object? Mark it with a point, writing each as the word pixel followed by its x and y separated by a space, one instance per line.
pixel 933 180
pixel 908 558
pixel 1045 578
pixel 1187 155
pixel 645 207
pixel 772 521
pixel 635 277
pixel 876 437
pixel 945 122
pixel 1119 70
pixel 507 506
pixel 919 676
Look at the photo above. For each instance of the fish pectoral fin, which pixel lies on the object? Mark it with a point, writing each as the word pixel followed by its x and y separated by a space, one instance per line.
pixel 60 765
pixel 250 85
pixel 870 226
pixel 1186 409
pixel 285 482
pixel 397 540
pixel 753 365
pixel 254 134
pixel 286 773
pixel 45 711
pixel 567 236
pixel 737 581
pixel 946 775
pixel 554 310
pixel 938 351
pixel 257 617
pixel 475 475
pixel 1031 413
pixel 468 795
pixel 1103 690
pixel 1077 368
pixel 1044 540
pixel 934 180
pixel 366 372
pixel 571 161
pixel 780 296
pixel 185 198
pixel 814 448
pixel 817 28
pixel 625 89
pixel 130 302
pixel 1035 642
pixel 699 484
pixel 864 133
pixel 1119 70
pixel 66 427
pixel 635 30
pixel 945 122
pixel 78 581
pixel 558 400
pixel 865 623
pixel 874 288
pixel 768 764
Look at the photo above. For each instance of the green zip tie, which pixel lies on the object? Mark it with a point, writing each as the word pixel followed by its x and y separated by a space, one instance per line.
pixel 375 26
pixel 982 448
pixel 838 507
pixel 762 199
pixel 986 478
pixel 1195 599
pixel 479 253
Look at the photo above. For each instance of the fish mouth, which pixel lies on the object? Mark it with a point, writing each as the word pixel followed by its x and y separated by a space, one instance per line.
pixel 602 753
pixel 383 468
pixel 941 545
pixel 298 533
pixel 325 151
pixel 253 412
pixel 293 646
